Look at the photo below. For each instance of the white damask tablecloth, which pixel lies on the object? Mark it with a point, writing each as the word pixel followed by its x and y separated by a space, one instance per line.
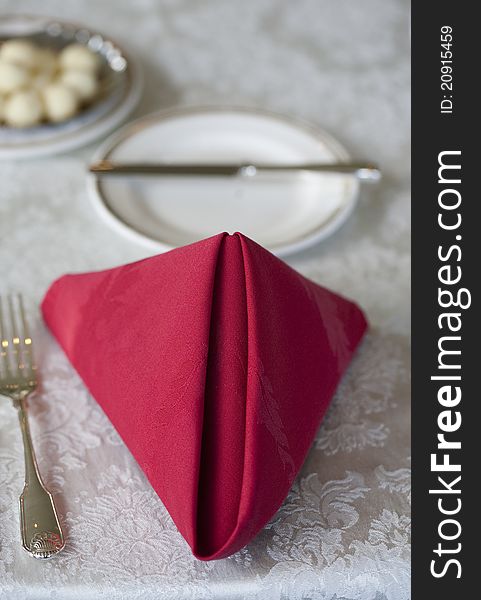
pixel 343 532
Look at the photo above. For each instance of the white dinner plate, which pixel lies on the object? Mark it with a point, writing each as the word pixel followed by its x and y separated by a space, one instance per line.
pixel 121 87
pixel 284 212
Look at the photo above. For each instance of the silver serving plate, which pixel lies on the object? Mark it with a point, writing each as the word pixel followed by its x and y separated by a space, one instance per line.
pixel 120 88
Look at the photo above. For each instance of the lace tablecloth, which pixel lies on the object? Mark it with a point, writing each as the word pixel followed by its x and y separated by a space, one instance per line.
pixel 344 530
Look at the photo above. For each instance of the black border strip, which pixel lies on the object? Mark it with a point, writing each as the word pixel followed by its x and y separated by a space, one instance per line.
pixel 432 133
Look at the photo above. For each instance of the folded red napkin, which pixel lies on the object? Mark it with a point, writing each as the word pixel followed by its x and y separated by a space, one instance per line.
pixel 215 362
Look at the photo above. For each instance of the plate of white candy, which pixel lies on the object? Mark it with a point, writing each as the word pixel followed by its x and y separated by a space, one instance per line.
pixel 61 86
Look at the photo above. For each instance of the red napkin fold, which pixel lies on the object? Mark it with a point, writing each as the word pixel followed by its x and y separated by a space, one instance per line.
pixel 215 362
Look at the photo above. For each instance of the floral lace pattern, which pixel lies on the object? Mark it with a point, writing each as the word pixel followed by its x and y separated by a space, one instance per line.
pixel 341 516
pixel 343 532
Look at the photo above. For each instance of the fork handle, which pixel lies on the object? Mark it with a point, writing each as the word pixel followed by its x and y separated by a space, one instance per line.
pixel 42 535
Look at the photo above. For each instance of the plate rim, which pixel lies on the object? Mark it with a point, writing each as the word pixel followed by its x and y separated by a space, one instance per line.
pixel 312 238
pixel 91 131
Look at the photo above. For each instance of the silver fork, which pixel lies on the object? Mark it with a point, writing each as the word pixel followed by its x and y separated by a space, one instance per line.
pixel 42 535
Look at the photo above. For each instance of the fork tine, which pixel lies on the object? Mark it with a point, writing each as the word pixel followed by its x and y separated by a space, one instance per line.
pixel 15 337
pixel 3 342
pixel 26 339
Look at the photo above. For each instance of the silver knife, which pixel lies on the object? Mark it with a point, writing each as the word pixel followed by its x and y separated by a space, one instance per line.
pixel 364 171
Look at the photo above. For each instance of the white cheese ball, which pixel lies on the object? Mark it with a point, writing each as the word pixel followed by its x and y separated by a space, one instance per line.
pixel 60 102
pixel 19 52
pixel 41 79
pixel 83 83
pixel 46 61
pixel 23 109
pixel 45 68
pixel 12 77
pixel 79 58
